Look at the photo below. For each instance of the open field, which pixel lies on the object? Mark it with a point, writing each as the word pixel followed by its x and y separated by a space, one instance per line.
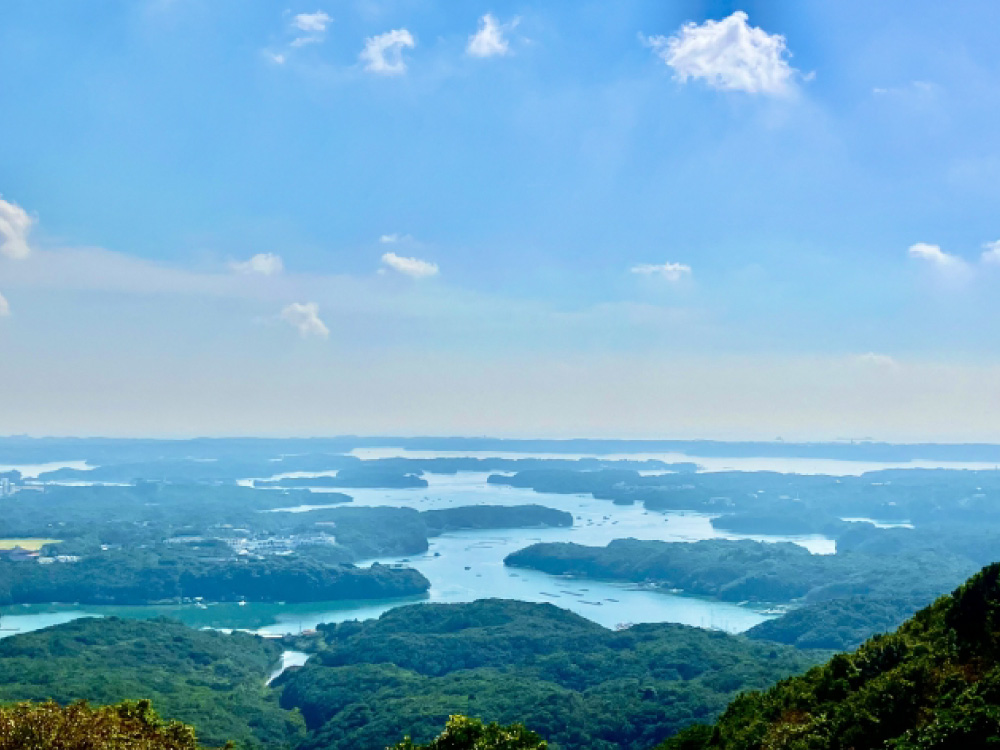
pixel 29 544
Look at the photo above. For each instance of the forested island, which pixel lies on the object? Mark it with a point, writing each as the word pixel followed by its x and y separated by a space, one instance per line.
pixel 156 542
pixel 746 570
pixel 839 599
pixel 495 517
pixel 161 575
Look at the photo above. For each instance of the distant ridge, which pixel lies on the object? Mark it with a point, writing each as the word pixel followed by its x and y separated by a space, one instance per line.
pixel 22 449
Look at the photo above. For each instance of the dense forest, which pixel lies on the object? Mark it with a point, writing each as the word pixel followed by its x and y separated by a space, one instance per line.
pixel 932 684
pixel 747 570
pixel 163 574
pixel 539 671
pixel 211 680
pixel 574 682
pixel 494 517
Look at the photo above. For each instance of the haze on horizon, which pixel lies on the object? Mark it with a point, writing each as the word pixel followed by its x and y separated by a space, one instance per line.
pixel 633 219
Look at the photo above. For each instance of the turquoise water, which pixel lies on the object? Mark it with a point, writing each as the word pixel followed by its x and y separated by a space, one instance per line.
pixel 469 565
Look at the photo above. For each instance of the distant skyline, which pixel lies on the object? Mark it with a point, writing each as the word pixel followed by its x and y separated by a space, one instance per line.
pixel 630 219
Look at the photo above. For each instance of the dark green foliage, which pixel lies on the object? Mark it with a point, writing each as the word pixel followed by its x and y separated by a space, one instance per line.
pixel 132 725
pixel 565 677
pixel 166 573
pixel 934 684
pixel 789 520
pixel 745 570
pixel 209 679
pixel 366 474
pixel 836 624
pixel 462 733
pixel 694 737
pixel 816 501
pixel 150 512
pixel 494 517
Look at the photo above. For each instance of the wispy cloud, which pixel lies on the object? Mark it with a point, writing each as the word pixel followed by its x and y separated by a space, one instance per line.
pixel 394 238
pixel 490 39
pixel 15 224
pixel 265 264
pixel 672 272
pixel 729 55
pixel 413 267
pixel 4 307
pixel 304 317
pixel 304 29
pixel 313 24
pixel 991 253
pixel 383 54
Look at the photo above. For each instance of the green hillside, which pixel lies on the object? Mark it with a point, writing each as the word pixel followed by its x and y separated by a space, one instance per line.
pixel 577 684
pixel 209 679
pixel 932 684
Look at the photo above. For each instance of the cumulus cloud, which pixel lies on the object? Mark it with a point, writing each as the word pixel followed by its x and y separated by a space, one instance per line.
pixel 934 255
pixel 729 55
pixel 276 57
pixel 991 253
pixel 413 267
pixel 304 317
pixel 489 40
pixel 672 272
pixel 383 54
pixel 4 307
pixel 265 264
pixel 15 224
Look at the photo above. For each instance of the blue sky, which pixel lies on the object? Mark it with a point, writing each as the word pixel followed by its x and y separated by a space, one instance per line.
pixel 691 219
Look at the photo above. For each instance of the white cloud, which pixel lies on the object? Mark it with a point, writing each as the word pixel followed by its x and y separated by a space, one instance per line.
pixel 383 54
pixel 4 307
pixel 392 239
pixel 317 21
pixel 670 271
pixel 314 24
pixel 991 254
pixel 305 318
pixel 265 264
pixel 729 54
pixel 414 267
pixel 489 40
pixel 276 57
pixel 934 255
pixel 302 41
pixel 15 224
